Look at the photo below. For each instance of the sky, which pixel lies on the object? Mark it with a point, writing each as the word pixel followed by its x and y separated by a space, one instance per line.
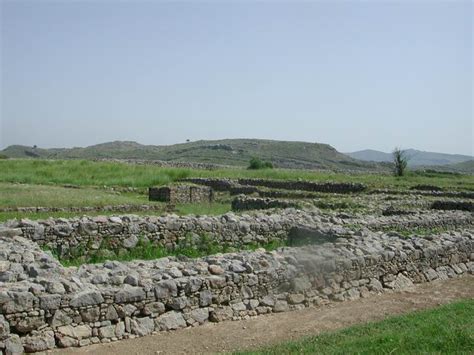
pixel 353 74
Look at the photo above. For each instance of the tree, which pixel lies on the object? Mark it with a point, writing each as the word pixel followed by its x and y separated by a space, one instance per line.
pixel 257 163
pixel 400 161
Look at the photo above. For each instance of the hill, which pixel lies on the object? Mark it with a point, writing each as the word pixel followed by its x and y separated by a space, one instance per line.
pixel 416 157
pixel 227 151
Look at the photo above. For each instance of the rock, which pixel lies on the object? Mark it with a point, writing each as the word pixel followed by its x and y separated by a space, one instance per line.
pixel 154 309
pixel 280 306
pixel 221 314
pixel 60 318
pixel 41 342
pixel 50 302
pixel 28 324
pixel 142 326
pixel 4 327
pixel 205 298
pixel 295 298
pixel 170 320
pixel 13 345
pixel 18 302
pixel 78 332
pixel 216 270
pixel 107 332
pixel 166 289
pixel 130 242
pixel 86 298
pixel 90 315
pixel 130 294
pixel 131 280
pixel 65 341
pixel 120 329
pixel 200 315
pixel 401 282
pixel 300 284
pixel 111 313
pixel 267 301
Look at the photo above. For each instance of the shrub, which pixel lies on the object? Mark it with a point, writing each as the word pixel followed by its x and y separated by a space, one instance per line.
pixel 400 162
pixel 257 163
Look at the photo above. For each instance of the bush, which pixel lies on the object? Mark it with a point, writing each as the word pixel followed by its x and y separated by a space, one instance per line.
pixel 400 162
pixel 257 163
pixel 3 156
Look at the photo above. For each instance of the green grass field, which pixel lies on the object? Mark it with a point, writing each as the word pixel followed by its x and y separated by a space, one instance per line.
pixel 445 330
pixel 89 173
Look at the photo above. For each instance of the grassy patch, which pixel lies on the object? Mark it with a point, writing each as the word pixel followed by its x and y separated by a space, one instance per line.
pixel 205 209
pixel 191 247
pixel 27 195
pixel 89 173
pixel 445 330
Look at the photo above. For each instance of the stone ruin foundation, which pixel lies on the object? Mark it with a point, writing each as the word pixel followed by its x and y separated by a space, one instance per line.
pixel 180 194
pixel 44 305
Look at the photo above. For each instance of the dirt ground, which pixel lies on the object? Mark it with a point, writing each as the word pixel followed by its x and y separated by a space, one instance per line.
pixel 275 328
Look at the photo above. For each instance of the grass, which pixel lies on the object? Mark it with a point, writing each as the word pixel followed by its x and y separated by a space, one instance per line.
pixel 90 173
pixel 147 250
pixel 27 195
pixel 445 330
pixel 213 209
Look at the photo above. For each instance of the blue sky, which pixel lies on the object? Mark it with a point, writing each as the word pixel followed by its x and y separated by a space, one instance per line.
pixel 356 74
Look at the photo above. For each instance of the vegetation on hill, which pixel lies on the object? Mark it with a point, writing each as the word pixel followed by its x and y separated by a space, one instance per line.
pixel 89 173
pixel 236 152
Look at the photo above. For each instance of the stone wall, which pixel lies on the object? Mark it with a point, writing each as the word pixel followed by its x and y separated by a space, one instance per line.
pixel 80 236
pixel 243 203
pixel 328 187
pixel 181 194
pixel 85 235
pixel 44 305
pixel 453 205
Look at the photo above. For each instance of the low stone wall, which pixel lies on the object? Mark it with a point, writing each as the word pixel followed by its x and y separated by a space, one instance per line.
pixel 44 305
pixel 243 203
pixel 215 184
pixel 181 194
pixel 81 236
pixel 329 187
pixel 111 208
pixel 456 194
pixel 453 205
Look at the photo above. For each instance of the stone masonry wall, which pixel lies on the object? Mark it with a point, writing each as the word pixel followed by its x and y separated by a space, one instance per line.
pixel 43 305
pixel 232 185
pixel 84 235
pixel 181 194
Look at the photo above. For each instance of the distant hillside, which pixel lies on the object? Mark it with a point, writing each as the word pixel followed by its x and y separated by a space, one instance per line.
pixel 416 157
pixel 227 151
pixel 464 167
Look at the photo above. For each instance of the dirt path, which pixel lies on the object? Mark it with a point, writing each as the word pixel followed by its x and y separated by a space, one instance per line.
pixel 276 328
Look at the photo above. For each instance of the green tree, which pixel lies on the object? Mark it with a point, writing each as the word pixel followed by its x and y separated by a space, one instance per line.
pixel 400 161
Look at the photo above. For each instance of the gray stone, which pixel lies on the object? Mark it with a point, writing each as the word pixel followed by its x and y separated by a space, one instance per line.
pixel 170 320
pixel 205 298
pixel 41 342
pixel 130 294
pixel 86 298
pixel 165 289
pixel 280 306
pixel 13 345
pixel 142 326
pixel 200 315
pixel 50 302
pixel 154 309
